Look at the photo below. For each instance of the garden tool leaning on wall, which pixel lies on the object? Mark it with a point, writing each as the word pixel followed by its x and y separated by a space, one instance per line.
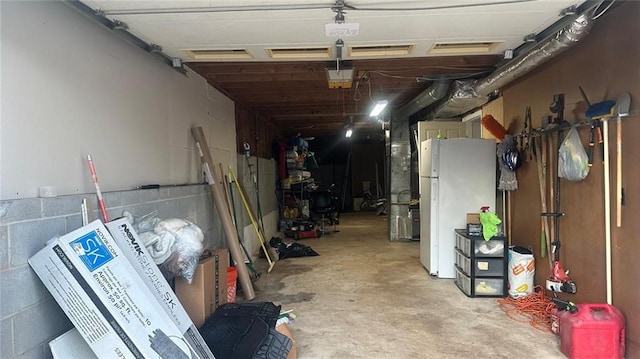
pixel 622 110
pixel 254 179
pixel 604 111
pixel 558 280
pixel 540 156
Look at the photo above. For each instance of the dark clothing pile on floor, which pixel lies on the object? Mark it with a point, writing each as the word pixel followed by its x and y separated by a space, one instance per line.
pixel 291 250
pixel 246 330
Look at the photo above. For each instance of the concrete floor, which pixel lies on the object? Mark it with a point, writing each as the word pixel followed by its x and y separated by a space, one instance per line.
pixel 367 297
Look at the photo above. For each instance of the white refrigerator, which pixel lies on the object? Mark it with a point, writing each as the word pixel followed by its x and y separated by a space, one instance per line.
pixel 457 176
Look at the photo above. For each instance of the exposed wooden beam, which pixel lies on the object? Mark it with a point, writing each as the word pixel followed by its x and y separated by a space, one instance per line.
pixel 295 94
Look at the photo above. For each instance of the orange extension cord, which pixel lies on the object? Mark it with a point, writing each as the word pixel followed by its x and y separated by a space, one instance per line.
pixel 534 309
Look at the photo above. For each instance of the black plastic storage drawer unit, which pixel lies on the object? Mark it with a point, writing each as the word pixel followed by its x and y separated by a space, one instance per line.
pixel 481 266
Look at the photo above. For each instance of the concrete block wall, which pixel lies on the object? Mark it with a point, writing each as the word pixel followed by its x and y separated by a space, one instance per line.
pixel 29 316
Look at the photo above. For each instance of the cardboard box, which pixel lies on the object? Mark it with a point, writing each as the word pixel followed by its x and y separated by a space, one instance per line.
pixel 104 297
pixel 473 218
pixel 138 255
pixel 208 289
pixel 282 328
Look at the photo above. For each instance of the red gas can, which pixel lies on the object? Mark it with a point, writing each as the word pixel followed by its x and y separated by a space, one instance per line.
pixel 597 331
pixel 555 315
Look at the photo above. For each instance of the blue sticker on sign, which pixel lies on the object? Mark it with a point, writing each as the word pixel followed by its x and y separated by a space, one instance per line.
pixel 92 250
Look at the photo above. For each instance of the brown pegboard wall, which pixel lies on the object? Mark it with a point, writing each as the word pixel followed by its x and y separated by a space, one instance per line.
pixel 604 64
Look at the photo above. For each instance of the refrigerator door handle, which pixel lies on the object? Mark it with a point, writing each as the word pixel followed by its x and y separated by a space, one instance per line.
pixel 435 158
pixel 434 191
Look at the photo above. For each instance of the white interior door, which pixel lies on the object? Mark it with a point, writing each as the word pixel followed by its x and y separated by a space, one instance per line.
pixel 448 129
pixel 473 123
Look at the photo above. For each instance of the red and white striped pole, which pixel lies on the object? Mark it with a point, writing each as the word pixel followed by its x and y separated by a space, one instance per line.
pixel 103 208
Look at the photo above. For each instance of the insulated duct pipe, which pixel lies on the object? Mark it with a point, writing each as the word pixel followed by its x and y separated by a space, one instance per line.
pixel 435 92
pixel 399 155
pixel 468 95
pixel 564 39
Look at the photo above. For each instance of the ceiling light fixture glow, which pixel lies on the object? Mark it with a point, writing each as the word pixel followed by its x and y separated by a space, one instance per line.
pixel 380 105
pixel 348 133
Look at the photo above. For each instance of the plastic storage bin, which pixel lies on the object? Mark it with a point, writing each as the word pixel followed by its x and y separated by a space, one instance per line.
pixel 463 243
pixel 476 245
pixel 488 267
pixel 463 262
pixel 481 266
pixel 597 331
pixel 480 287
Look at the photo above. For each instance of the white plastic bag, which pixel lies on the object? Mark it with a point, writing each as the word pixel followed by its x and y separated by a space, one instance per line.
pixel 573 162
pixel 187 246
pixel 522 269
pixel 174 244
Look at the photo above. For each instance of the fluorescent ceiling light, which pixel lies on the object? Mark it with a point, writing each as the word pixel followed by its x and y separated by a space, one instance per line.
pixel 341 30
pixel 380 105
pixel 348 133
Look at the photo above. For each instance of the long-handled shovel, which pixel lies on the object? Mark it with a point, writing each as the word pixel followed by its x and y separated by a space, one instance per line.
pixel 622 109
pixel 607 209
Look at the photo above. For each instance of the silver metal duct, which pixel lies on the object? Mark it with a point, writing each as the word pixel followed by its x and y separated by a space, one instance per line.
pixel 435 92
pixel 399 158
pixel 468 95
pixel 463 98
pixel 564 39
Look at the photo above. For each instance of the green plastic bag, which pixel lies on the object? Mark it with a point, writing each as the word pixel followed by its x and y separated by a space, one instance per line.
pixel 490 223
